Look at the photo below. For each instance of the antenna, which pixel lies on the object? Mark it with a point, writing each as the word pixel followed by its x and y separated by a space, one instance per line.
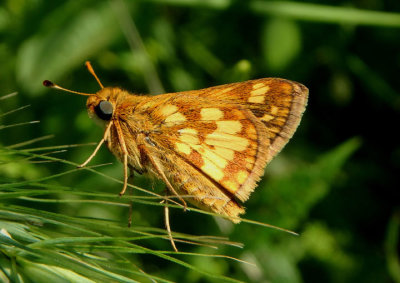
pixel 90 69
pixel 50 84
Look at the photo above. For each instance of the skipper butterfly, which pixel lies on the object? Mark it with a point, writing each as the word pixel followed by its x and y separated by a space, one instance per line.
pixel 210 144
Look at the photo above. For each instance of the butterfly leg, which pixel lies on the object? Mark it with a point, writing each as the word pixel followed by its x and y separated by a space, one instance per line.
pixel 166 221
pixel 125 174
pixel 130 179
pixel 125 155
pixel 106 133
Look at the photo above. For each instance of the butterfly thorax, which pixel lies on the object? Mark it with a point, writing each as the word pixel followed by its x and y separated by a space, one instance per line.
pixel 120 105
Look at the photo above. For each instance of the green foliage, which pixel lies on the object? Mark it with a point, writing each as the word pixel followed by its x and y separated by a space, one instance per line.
pixel 280 50
pixel 335 184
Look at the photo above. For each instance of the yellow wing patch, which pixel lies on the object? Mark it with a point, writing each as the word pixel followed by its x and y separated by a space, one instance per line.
pixel 257 95
pixel 211 114
pixel 176 117
pixel 229 127
pixel 237 143
pixel 168 110
pixel 183 148
pixel 212 170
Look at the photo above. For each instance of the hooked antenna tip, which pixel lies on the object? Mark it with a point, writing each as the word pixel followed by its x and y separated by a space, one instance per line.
pixel 48 83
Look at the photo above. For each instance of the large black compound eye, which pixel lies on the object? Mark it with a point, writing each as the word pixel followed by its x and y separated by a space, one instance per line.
pixel 104 110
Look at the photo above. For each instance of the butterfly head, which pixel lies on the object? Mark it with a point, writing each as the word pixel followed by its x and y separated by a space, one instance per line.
pixel 102 105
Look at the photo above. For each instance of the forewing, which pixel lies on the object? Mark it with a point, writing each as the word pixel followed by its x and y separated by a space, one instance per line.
pixel 230 132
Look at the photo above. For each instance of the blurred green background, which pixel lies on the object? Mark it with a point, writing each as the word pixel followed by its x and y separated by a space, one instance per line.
pixel 336 183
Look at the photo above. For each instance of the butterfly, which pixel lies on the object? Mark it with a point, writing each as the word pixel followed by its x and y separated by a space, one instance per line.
pixel 209 145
